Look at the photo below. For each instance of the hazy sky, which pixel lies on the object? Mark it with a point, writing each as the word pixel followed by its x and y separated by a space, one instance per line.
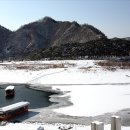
pixel 112 17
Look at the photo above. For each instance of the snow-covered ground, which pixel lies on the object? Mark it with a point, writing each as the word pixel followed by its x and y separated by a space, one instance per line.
pixel 35 126
pixel 23 126
pixel 92 89
pixel 96 99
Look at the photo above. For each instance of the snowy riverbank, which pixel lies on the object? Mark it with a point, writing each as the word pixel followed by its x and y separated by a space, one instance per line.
pixel 90 91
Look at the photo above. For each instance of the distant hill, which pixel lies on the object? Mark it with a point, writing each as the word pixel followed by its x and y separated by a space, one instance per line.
pixel 89 50
pixel 127 38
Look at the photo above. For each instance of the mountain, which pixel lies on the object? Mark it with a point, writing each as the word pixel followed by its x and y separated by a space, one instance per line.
pixel 127 38
pixel 4 34
pixel 98 49
pixel 45 33
pixel 48 38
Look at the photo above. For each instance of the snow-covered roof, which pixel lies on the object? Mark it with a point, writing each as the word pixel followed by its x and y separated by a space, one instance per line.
pixel 14 106
pixel 9 87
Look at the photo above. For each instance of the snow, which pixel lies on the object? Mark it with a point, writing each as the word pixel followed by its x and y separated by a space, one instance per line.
pixel 35 126
pixel 19 126
pixel 95 99
pixel 78 77
pixel 10 87
pixel 22 126
pixel 92 90
pixel 14 106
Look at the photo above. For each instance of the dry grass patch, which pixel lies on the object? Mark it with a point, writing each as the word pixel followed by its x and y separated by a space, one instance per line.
pixel 35 67
pixel 40 66
pixel 113 65
pixel 87 69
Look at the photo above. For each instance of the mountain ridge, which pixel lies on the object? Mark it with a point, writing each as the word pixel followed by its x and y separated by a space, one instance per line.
pixel 44 33
pixel 48 37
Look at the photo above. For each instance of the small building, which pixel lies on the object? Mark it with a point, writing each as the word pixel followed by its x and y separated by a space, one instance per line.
pixel 13 110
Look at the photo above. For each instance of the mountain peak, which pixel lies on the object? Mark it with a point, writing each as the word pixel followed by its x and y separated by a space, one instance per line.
pixel 47 19
pixel 4 29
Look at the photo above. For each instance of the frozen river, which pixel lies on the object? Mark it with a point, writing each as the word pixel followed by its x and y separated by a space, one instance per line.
pixel 37 99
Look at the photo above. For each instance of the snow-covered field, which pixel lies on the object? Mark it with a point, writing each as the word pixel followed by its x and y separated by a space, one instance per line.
pixel 25 126
pixel 92 89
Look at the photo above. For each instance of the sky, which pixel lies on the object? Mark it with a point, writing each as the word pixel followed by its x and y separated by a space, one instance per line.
pixel 112 17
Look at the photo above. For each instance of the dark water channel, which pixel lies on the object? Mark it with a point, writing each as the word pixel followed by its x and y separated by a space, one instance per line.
pixel 37 99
